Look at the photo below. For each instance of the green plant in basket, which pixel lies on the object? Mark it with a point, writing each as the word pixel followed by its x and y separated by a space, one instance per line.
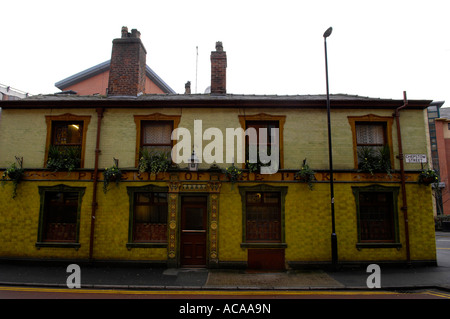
pixel 111 174
pixel 371 160
pixel 233 173
pixel 15 174
pixel 63 158
pixel 154 162
pixel 306 174
pixel 428 176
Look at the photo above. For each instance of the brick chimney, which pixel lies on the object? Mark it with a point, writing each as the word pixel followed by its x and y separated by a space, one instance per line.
pixel 218 70
pixel 128 62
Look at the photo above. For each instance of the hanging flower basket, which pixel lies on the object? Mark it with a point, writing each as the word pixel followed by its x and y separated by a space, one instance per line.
pixel 14 174
pixel 110 175
pixel 233 174
pixel 428 176
pixel 306 175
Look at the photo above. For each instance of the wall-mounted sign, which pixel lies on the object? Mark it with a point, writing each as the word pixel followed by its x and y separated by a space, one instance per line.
pixel 415 158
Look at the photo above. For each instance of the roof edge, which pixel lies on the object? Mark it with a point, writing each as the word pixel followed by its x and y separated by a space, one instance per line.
pixel 158 81
pixel 83 75
pixel 207 100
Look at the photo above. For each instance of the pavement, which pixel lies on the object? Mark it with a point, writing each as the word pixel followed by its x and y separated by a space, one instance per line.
pixel 141 277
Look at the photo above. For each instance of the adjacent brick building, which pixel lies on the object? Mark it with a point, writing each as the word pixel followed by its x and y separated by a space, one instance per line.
pixel 128 62
pixel 440 145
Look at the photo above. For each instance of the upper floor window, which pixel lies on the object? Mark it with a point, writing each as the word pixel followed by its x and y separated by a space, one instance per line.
pixel 66 137
pixel 67 133
pixel 153 133
pixel 372 142
pixel 370 137
pixel 264 124
pixel 66 144
pixel 156 136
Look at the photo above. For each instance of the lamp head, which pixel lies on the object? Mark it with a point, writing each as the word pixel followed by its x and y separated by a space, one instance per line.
pixel 328 32
pixel 193 164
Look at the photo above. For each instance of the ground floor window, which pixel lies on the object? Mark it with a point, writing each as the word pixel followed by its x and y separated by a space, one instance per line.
pixel 59 214
pixel 148 215
pixel 263 215
pixel 376 214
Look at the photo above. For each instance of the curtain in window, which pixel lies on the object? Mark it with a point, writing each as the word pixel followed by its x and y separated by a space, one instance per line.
pixel 369 134
pixel 157 133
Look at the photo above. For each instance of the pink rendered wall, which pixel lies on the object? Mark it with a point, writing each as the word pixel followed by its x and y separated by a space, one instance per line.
pixel 152 88
pixel 98 84
pixel 94 85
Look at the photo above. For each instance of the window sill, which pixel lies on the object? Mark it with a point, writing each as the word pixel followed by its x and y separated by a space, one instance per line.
pixel 146 245
pixel 359 246
pixel 58 245
pixel 263 245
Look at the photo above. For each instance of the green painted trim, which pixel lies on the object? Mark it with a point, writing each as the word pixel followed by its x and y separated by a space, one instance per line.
pixel 146 245
pixel 378 245
pixel 378 188
pixel 263 188
pixel 264 245
pixel 58 188
pixel 58 245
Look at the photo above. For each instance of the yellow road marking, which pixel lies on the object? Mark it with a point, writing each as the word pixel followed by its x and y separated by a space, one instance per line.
pixel 438 294
pixel 213 292
pixel 195 292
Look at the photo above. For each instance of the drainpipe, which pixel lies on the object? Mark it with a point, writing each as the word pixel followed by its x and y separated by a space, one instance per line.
pixel 95 181
pixel 404 207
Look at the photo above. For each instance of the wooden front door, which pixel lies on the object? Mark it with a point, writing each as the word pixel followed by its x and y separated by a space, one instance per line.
pixel 193 231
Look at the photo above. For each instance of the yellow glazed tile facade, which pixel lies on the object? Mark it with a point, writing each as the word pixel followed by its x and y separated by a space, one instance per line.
pixel 307 224
pixel 119 129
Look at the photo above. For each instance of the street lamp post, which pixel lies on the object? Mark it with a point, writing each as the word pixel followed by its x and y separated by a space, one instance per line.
pixel 334 252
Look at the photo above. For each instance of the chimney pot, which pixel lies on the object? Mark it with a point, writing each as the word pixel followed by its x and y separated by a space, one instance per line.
pixel 124 32
pixel 187 87
pixel 135 33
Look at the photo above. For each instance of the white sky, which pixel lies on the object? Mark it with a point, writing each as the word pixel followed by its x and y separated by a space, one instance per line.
pixel 377 48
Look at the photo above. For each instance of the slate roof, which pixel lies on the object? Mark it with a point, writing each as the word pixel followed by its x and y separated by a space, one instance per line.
pixel 209 96
pixel 103 67
pixel 338 101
